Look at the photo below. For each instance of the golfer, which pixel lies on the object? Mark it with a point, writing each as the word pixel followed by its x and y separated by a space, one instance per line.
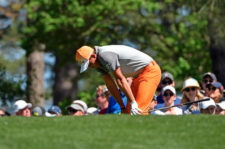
pixel 122 61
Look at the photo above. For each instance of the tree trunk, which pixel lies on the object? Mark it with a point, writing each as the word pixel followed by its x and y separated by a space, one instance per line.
pixel 217 52
pixel 65 86
pixel 217 48
pixel 35 78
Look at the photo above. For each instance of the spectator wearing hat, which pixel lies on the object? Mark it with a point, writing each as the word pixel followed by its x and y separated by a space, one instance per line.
pixel 215 91
pixel 169 96
pixel 166 79
pixel 207 78
pixel 54 111
pixel 38 111
pixel 191 92
pixel 77 108
pixel 220 108
pixel 22 108
pixel 208 107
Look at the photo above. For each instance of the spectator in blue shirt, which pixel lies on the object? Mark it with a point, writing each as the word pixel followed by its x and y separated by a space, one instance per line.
pixel 114 107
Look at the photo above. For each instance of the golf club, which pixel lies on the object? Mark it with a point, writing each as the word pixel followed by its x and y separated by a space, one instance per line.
pixel 188 103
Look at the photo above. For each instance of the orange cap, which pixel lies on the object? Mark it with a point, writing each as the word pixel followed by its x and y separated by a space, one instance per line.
pixel 84 53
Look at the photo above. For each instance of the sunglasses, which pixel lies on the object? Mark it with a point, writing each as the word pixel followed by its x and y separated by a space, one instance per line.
pixel 168 94
pixel 72 111
pixel 166 82
pixel 211 88
pixel 189 89
pixel 207 81
pixel 101 95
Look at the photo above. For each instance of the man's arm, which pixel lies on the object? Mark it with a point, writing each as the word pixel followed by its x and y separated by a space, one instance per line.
pixel 125 87
pixel 113 89
pixel 123 84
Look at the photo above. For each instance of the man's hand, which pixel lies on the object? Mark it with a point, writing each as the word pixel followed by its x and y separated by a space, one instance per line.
pixel 134 108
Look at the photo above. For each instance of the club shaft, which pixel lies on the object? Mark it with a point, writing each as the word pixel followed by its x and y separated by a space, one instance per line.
pixel 178 105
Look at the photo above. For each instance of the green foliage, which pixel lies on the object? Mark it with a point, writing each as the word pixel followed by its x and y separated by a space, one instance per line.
pixel 88 97
pixel 12 62
pixel 172 32
pixel 10 89
pixel 177 36
pixel 76 22
pixel 12 65
pixel 65 25
pixel 63 104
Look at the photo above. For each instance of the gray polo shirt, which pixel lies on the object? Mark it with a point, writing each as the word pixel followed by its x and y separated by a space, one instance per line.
pixel 127 58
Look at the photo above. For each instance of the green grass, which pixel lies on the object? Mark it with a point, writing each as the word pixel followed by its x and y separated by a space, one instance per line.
pixel 113 132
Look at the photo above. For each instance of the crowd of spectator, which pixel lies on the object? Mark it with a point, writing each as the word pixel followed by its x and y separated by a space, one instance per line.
pixel 192 91
pixel 165 101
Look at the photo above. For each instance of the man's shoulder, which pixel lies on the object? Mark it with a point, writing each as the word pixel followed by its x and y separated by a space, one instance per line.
pixel 114 47
pixel 119 49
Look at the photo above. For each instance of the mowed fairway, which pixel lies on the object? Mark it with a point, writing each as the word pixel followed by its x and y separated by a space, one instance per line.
pixel 113 131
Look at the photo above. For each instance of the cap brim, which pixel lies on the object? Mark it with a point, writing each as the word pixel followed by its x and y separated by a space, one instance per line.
pixel 47 114
pixel 84 66
pixel 76 107
pixel 169 90
pixel 210 75
pixel 189 86
pixel 206 104
pixel 29 105
pixel 167 78
pixel 221 105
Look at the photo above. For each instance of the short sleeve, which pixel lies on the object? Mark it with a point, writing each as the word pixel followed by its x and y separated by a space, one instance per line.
pixel 109 61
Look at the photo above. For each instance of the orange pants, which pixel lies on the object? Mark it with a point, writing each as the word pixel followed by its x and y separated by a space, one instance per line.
pixel 145 85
